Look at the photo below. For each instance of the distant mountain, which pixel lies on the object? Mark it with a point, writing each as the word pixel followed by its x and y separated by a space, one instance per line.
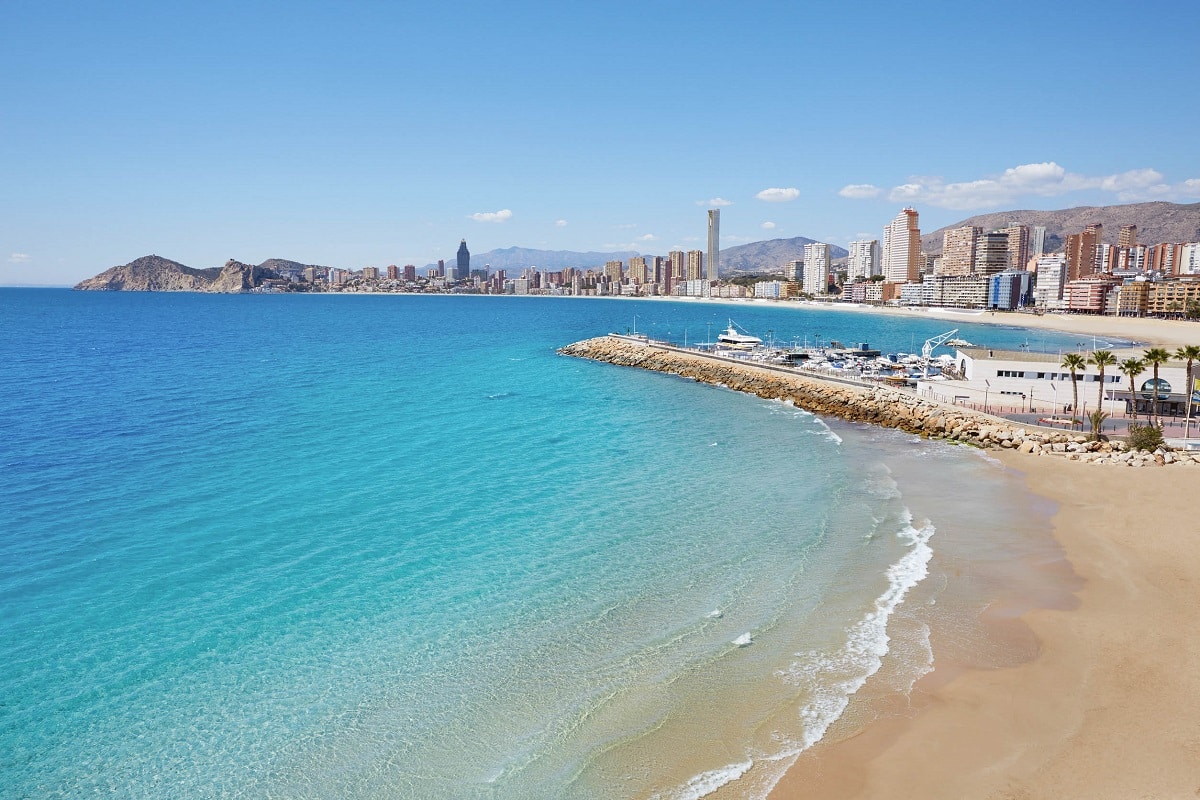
pixel 283 265
pixel 515 258
pixel 157 274
pixel 769 255
pixel 1157 222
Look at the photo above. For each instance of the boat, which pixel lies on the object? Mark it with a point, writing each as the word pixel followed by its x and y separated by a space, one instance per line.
pixel 733 336
pixel 957 343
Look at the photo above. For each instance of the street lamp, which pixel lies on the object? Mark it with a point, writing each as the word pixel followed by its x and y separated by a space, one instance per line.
pixel 987 385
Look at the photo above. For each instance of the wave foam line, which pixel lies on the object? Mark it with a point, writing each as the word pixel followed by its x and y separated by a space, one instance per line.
pixel 834 678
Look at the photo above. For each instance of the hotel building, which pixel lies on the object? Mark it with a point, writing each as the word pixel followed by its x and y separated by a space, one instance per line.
pixel 902 247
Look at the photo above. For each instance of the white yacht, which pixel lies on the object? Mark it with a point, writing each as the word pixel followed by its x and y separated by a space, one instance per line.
pixel 732 336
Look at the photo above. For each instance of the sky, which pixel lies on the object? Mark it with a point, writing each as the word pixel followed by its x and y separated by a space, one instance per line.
pixel 360 134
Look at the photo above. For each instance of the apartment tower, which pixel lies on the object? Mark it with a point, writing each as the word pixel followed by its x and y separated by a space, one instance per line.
pixel 958 250
pixel 816 268
pixel 863 261
pixel 902 248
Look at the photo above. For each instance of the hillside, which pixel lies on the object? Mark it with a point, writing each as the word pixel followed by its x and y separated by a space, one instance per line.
pixel 518 258
pixel 157 274
pixel 1156 222
pixel 769 255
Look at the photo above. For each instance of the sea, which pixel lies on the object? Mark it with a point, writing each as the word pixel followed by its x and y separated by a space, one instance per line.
pixel 395 546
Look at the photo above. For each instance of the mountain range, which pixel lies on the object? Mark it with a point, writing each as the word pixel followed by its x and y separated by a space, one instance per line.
pixel 1156 222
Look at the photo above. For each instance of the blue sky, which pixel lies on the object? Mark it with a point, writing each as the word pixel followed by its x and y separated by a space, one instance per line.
pixel 356 134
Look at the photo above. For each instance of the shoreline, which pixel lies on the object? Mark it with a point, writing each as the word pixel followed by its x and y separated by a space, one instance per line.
pixel 1103 708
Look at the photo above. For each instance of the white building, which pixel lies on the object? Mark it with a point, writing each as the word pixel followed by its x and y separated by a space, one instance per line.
pixel 816 268
pixel 772 290
pixel 1037 382
pixel 1051 278
pixel 864 259
pixel 1189 259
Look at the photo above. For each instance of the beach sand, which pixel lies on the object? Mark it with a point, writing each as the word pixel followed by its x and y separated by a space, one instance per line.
pixel 1107 708
pixel 1143 330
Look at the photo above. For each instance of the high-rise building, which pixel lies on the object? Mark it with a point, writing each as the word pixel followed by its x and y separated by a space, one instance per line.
pixel 370 273
pixel 677 261
pixel 863 261
pixel 1127 237
pixel 1081 252
pixel 958 250
pixel 991 253
pixel 614 270
pixel 410 272
pixel 1018 245
pixel 695 265
pixel 1038 248
pixel 393 272
pixel 816 268
pixel 464 260
pixel 658 269
pixel 1051 277
pixel 714 243
pixel 441 268
pixel 794 271
pixel 902 247
pixel 637 270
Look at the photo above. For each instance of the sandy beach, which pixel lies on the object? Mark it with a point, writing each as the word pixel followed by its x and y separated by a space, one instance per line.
pixel 1107 708
pixel 1143 330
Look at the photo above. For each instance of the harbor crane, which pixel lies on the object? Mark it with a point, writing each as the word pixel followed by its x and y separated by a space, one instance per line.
pixel 935 341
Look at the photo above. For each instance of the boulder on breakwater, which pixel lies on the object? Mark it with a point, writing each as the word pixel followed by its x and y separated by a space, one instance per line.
pixel 877 405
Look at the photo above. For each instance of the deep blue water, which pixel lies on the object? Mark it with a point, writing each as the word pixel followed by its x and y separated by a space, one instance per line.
pixel 327 546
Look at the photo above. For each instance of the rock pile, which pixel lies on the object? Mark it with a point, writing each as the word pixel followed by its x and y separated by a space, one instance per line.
pixel 878 405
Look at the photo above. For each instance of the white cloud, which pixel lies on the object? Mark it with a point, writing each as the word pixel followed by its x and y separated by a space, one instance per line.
pixel 19 258
pixel 647 237
pixel 1046 179
pixel 562 223
pixel 716 202
pixel 768 226
pixel 860 191
pixel 775 195
pixel 503 215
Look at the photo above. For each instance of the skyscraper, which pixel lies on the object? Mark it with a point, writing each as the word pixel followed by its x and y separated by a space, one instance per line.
pixel 464 260
pixel 1128 236
pixel 1039 241
pixel 1018 245
pixel 1081 252
pixel 991 253
pixel 816 268
pixel 695 265
pixel 902 248
pixel 714 243
pixel 863 261
pixel 958 250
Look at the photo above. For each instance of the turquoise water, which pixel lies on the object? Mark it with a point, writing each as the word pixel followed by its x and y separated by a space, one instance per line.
pixel 290 546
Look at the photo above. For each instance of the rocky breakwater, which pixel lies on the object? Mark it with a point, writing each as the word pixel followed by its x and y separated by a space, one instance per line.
pixel 877 405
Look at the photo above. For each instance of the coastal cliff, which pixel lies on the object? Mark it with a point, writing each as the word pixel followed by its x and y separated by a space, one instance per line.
pixel 158 274
pixel 877 405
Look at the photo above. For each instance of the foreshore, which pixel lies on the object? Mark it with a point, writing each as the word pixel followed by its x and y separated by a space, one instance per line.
pixel 1106 709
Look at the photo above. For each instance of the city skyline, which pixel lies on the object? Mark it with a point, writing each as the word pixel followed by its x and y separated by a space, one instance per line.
pixel 369 136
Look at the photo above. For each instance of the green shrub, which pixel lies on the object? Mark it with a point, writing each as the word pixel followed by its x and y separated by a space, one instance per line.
pixel 1144 437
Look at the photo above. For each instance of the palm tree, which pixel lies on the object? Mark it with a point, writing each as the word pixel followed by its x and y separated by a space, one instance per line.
pixel 1132 367
pixel 1102 359
pixel 1189 353
pixel 1155 357
pixel 1074 362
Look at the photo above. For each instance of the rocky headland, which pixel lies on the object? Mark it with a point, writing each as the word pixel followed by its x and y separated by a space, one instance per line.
pixel 158 274
pixel 877 405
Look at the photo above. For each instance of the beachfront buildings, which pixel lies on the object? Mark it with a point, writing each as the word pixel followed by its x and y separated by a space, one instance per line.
pixel 863 260
pixel 902 247
pixel 816 268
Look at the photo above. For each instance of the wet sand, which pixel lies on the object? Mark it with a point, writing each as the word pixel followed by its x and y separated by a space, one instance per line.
pixel 1107 708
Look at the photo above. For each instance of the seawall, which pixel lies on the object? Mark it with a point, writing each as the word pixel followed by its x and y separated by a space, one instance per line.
pixel 877 405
